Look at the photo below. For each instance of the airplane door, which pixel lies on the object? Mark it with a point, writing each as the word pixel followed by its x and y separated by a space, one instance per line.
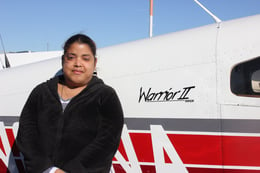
pixel 238 94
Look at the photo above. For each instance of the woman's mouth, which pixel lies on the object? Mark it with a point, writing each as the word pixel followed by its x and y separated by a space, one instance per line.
pixel 77 72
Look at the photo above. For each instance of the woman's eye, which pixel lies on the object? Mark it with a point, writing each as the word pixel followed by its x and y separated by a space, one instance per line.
pixel 69 58
pixel 86 59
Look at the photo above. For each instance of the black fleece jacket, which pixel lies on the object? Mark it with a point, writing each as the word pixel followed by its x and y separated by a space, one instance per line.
pixel 81 139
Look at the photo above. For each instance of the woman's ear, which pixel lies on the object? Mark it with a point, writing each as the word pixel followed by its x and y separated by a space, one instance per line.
pixel 95 64
pixel 62 60
pixel 95 61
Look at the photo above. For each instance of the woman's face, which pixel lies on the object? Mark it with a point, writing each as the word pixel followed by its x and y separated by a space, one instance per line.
pixel 78 64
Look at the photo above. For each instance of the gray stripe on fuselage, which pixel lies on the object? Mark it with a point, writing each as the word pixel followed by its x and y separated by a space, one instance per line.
pixel 197 125
pixel 171 124
pixel 9 120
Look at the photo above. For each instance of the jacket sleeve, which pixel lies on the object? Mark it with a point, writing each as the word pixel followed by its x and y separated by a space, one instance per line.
pixel 27 141
pixel 97 156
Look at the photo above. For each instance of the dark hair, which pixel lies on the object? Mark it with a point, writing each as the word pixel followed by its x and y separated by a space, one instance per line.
pixel 80 38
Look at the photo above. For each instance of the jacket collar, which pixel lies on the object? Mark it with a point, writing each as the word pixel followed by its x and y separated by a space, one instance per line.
pixel 52 83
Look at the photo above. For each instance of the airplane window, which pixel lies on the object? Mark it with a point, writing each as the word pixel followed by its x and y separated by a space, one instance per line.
pixel 256 81
pixel 245 78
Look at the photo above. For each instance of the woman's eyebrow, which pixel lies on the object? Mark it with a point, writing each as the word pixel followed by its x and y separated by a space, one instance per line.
pixel 71 54
pixel 86 55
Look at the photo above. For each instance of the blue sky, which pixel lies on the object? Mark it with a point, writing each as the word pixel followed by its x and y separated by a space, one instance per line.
pixel 41 25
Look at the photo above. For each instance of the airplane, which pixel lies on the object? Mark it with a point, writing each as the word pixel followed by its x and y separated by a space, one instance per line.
pixel 190 99
pixel 26 57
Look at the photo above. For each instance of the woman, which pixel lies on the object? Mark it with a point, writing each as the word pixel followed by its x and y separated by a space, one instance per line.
pixel 71 123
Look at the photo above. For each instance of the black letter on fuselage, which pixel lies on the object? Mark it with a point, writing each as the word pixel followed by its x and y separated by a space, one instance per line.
pixel 185 92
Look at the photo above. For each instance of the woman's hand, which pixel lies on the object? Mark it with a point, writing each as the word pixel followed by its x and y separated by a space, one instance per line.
pixel 59 171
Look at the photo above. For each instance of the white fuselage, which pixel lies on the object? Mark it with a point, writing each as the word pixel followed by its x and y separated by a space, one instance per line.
pixel 180 113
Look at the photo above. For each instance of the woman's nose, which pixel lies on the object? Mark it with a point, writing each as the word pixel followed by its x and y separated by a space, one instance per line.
pixel 77 62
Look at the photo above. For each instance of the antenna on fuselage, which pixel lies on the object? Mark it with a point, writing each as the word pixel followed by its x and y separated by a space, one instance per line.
pixel 217 20
pixel 151 19
pixel 7 64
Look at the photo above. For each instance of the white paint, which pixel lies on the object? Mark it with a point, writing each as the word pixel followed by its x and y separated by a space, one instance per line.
pixel 133 165
pixel 161 141
pixel 8 158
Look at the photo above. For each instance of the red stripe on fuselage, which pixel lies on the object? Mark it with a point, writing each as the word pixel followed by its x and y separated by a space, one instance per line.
pixel 201 149
pixel 151 169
